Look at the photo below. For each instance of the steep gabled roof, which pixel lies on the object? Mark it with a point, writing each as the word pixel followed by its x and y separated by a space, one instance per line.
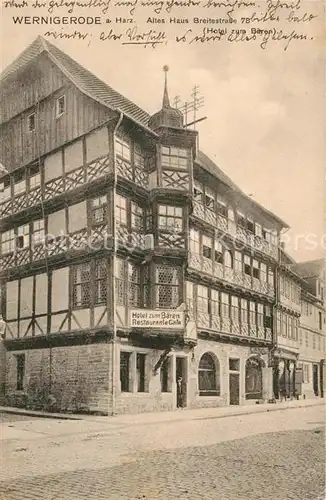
pixel 310 269
pixel 83 79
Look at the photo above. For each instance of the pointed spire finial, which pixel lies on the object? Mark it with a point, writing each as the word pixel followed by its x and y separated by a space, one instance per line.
pixel 166 100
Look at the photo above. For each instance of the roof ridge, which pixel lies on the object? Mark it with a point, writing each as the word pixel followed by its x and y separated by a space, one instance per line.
pixel 39 45
pixel 51 47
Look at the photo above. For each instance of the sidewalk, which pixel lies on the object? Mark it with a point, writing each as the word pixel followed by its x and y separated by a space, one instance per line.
pixel 171 416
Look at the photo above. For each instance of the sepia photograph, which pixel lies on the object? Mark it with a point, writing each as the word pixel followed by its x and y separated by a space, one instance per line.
pixel 162 250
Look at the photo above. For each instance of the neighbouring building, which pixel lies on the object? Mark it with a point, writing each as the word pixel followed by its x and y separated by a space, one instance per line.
pixel 287 311
pixel 135 275
pixel 312 332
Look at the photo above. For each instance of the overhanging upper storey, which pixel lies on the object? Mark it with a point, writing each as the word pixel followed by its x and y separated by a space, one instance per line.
pixel 218 202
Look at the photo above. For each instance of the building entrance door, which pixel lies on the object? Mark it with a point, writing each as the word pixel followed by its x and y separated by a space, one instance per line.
pixel 315 379
pixel 234 387
pixel 321 376
pixel 181 380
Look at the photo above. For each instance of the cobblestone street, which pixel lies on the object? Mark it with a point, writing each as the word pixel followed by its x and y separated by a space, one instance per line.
pixel 258 456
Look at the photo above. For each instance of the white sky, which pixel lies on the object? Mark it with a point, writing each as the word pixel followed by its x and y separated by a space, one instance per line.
pixel 265 109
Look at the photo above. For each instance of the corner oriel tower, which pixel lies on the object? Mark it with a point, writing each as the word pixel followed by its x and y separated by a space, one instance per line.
pixel 167 116
pixel 175 149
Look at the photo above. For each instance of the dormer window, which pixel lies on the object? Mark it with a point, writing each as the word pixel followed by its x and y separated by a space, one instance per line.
pixel 61 105
pixel 31 121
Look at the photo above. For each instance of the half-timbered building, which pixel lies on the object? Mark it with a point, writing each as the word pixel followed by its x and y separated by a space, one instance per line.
pixel 312 333
pixel 135 275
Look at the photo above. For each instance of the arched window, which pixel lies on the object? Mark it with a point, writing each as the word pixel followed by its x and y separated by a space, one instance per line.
pixel 209 376
pixel 254 379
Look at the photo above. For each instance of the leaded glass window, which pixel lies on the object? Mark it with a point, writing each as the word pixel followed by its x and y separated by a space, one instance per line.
pixel 133 285
pixel 120 283
pixel 100 282
pixel 146 287
pixel 168 281
pixel 81 285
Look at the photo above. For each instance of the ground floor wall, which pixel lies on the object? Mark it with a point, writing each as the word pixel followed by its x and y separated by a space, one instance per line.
pixel 67 378
pixel 122 377
pixel 313 377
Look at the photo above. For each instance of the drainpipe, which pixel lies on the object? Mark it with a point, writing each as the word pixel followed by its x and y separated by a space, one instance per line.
pixel 114 360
